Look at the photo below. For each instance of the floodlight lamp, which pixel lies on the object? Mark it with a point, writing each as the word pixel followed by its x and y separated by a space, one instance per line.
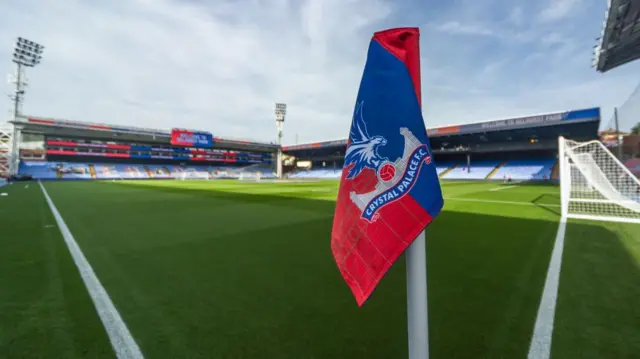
pixel 280 112
pixel 27 53
pixel 281 108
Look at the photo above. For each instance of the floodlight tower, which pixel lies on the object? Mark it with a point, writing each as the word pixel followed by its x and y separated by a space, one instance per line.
pixel 281 111
pixel 26 54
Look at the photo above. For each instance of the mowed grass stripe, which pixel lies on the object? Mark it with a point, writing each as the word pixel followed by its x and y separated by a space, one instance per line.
pixel 319 190
pixel 170 217
pixel 237 287
pixel 275 292
pixel 121 339
pixel 45 311
pixel 597 314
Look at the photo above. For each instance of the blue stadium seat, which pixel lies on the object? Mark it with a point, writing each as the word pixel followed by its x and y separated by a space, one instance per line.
pixel 318 173
pixel 73 170
pixel 526 169
pixel 443 166
pixel 478 170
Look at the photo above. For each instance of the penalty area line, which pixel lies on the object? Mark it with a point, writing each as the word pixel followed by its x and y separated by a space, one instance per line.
pixel 124 346
pixel 540 347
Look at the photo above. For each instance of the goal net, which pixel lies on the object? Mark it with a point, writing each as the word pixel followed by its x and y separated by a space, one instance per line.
pixel 193 174
pixel 254 172
pixel 595 185
pixel 249 176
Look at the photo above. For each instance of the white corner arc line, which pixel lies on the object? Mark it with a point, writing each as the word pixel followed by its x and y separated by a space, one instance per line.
pixel 540 347
pixel 124 346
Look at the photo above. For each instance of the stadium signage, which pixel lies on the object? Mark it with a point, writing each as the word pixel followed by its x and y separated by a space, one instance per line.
pixel 591 114
pixel 191 139
pixel 315 145
pixel 333 143
pixel 532 120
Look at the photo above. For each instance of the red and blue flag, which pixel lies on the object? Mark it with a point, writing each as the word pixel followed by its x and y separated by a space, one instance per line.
pixel 389 190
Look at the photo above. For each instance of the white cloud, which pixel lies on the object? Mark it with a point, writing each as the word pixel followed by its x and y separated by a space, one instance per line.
pixel 558 9
pixel 516 16
pixel 221 65
pixel 455 27
pixel 553 38
pixel 217 66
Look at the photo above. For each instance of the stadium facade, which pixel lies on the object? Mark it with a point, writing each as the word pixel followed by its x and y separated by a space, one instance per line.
pixel 619 42
pixel 523 148
pixel 61 149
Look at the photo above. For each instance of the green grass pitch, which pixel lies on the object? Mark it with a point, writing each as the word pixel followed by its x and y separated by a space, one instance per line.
pixel 230 269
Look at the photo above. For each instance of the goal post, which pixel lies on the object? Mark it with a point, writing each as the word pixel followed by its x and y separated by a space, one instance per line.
pixel 193 174
pixel 595 185
pixel 250 176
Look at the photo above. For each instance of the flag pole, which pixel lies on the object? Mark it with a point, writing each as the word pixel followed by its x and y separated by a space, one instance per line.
pixel 417 313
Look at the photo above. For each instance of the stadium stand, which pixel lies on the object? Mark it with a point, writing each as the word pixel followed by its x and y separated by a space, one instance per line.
pixel 524 148
pixel 526 169
pixel 58 149
pixel 317 173
pixel 618 43
pixel 634 166
pixel 442 167
pixel 477 170
pixel 83 171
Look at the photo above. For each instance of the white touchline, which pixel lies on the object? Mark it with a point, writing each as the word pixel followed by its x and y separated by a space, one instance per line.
pixel 501 188
pixel 124 346
pixel 500 202
pixel 540 347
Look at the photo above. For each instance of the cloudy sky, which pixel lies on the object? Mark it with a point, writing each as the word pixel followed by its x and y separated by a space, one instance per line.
pixel 219 65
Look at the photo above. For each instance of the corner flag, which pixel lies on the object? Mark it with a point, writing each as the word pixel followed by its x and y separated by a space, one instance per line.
pixel 389 190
